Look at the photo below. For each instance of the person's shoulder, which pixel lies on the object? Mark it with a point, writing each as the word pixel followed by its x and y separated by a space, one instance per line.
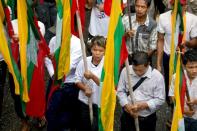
pixel 89 59
pixel 191 16
pixel 157 74
pixel 52 42
pixel 165 14
pixel 75 43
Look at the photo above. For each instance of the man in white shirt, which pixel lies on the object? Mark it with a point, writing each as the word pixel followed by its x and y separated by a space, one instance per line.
pixel 190 64
pixel 63 107
pixel 149 94
pixel 99 21
pixel 89 84
pixel 164 38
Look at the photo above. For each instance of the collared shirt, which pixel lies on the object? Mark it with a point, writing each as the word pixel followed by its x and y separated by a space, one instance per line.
pixel 145 41
pixel 96 70
pixel 192 89
pixel 75 57
pixel 164 27
pixel 151 91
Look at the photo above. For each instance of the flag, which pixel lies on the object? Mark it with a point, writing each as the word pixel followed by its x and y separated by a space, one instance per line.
pixel 2 15
pixel 177 11
pixel 7 52
pixel 37 105
pixel 14 43
pixel 182 87
pixel 110 72
pixel 178 120
pixel 176 67
pixel 81 8
pixel 12 5
pixel 63 35
pixel 7 55
pixel 23 39
pixel 107 7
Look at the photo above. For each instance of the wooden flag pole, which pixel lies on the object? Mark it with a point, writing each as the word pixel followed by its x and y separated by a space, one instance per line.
pixel 130 24
pixel 131 92
pixel 127 65
pixel 84 58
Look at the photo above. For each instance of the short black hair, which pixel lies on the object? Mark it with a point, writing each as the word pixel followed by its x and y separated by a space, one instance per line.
pixel 190 55
pixel 98 40
pixel 148 2
pixel 140 58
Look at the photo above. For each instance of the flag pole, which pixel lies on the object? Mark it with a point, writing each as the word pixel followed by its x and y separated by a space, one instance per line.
pixel 127 65
pixel 130 24
pixel 84 58
pixel 131 92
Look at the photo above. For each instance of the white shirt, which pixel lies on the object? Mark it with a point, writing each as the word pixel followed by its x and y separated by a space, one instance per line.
pixel 192 89
pixel 164 27
pixel 75 57
pixel 151 91
pixel 96 70
pixel 99 22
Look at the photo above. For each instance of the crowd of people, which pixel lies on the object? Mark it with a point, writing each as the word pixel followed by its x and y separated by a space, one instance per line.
pixel 67 107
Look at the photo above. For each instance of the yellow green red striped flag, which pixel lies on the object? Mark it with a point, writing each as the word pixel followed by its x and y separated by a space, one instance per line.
pixel 23 39
pixel 110 73
pixel 12 66
pixel 177 121
pixel 63 36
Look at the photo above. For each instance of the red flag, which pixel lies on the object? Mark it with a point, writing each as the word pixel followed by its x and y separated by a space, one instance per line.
pixel 183 91
pixel 107 7
pixel 36 106
pixel 14 42
pixel 82 15
pixel 124 52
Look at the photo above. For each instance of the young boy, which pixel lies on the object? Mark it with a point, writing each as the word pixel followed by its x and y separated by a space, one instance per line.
pixel 190 63
pixel 89 84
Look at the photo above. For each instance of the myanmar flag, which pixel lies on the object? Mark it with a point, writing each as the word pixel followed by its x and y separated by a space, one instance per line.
pixel 178 120
pixel 23 39
pixel 110 73
pixel 7 55
pixel 176 67
pixel 63 35
pixel 5 49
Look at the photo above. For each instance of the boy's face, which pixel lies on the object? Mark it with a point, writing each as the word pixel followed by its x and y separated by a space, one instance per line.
pixel 191 68
pixel 141 8
pixel 97 52
pixel 140 70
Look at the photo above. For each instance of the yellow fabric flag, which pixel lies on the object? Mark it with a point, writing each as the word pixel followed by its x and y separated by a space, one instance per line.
pixel 172 47
pixel 23 38
pixel 109 78
pixel 4 50
pixel 2 15
pixel 64 57
pixel 177 122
